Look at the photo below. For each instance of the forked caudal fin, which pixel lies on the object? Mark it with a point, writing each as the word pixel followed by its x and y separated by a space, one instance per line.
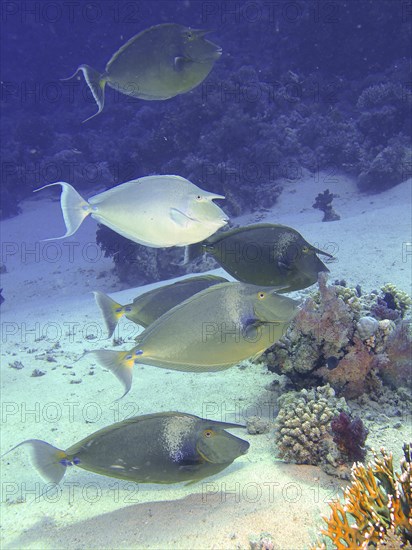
pixel 74 208
pixel 111 310
pixel 96 83
pixel 120 363
pixel 49 461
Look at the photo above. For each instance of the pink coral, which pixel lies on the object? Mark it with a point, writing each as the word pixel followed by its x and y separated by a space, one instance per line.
pixel 395 362
pixel 329 322
pixel 350 376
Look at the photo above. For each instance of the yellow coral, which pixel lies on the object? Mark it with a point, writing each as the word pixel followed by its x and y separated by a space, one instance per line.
pixel 378 499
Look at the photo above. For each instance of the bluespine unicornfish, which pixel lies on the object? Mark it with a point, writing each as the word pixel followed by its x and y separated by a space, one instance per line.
pixel 151 305
pixel 211 331
pixel 168 447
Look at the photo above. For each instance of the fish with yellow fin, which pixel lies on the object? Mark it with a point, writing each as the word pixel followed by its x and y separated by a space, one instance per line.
pixel 151 305
pixel 168 447
pixel 211 331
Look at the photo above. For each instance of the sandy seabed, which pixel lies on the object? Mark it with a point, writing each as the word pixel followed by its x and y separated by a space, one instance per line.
pixel 49 318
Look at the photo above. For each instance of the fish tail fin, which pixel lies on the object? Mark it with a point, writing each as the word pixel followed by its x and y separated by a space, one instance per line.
pixel 192 252
pixel 120 363
pixel 111 310
pixel 74 208
pixel 96 82
pixel 49 461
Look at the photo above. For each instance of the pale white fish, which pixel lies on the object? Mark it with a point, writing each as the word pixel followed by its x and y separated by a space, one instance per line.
pixel 156 211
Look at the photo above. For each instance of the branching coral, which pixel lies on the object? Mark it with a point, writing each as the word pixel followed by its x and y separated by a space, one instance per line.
pixel 323 202
pixel 378 500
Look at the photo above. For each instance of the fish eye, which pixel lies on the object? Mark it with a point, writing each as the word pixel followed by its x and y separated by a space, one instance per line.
pixel 199 198
pixel 208 433
pixel 189 35
pixel 261 295
pixel 305 249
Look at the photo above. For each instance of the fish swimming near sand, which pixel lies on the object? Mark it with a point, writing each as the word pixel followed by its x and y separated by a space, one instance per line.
pixel 156 211
pixel 211 331
pixel 158 63
pixel 151 305
pixel 168 447
pixel 264 254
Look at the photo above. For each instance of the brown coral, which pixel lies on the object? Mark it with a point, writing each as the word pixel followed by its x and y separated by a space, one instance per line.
pixel 380 502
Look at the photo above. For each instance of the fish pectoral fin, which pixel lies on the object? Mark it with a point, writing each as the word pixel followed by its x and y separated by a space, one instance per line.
pixel 251 328
pixel 180 62
pixel 180 218
pixel 284 265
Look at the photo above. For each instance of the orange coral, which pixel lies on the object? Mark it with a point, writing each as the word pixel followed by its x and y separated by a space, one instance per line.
pixel 380 502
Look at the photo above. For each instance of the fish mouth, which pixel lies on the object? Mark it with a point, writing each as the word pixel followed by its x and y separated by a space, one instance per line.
pixel 319 251
pixel 221 222
pixel 244 447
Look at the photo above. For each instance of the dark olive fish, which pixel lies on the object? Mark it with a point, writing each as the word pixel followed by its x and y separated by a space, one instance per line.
pixel 264 254
pixel 158 63
pixel 165 447
pixel 149 306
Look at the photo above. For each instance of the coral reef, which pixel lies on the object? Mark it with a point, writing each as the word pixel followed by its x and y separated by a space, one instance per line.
pixel 337 338
pixel 323 202
pixel 396 299
pixel 380 503
pixel 395 360
pixel 366 327
pixel 303 427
